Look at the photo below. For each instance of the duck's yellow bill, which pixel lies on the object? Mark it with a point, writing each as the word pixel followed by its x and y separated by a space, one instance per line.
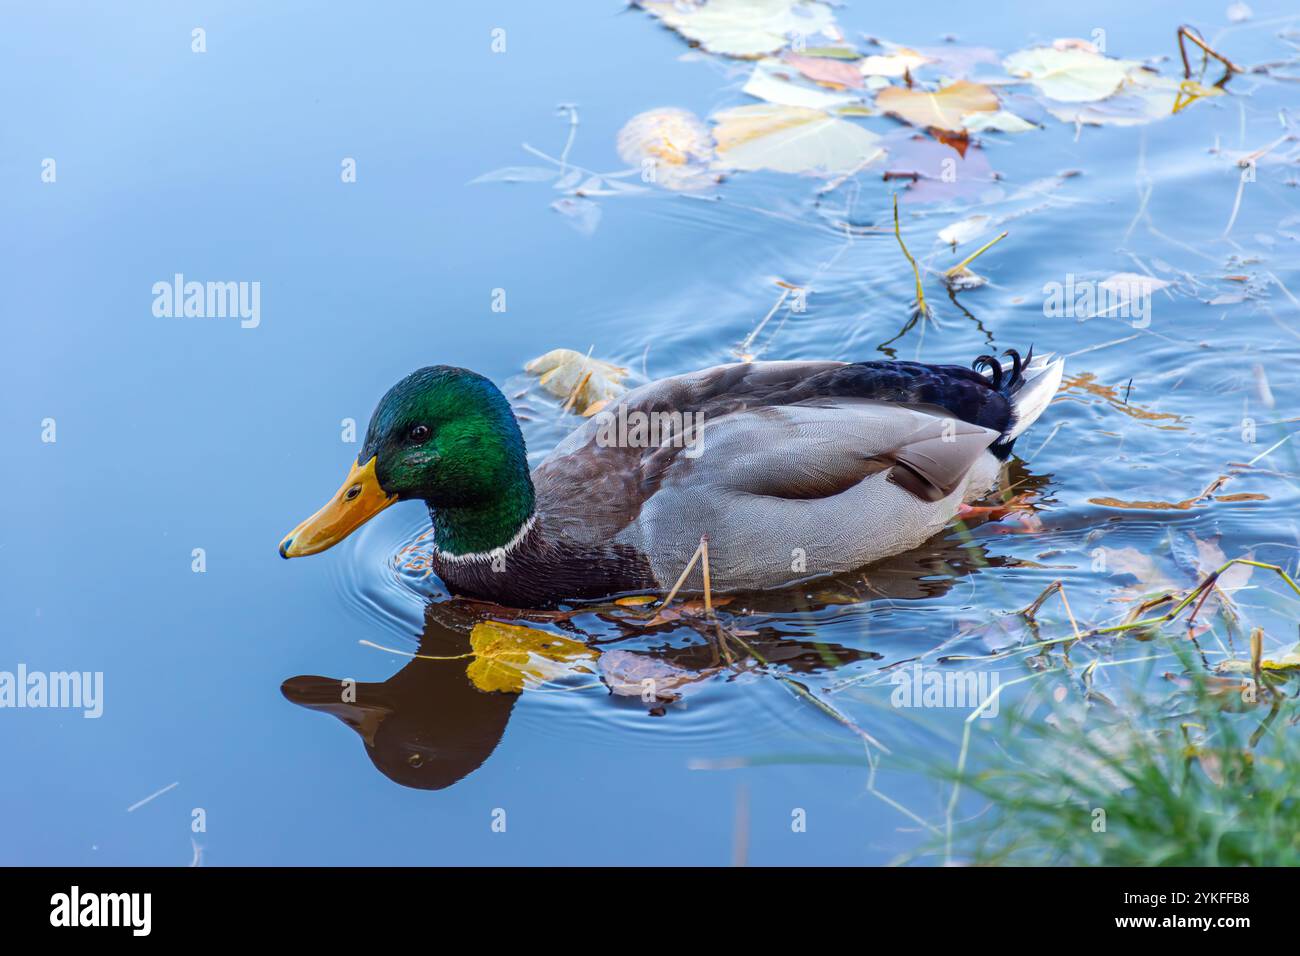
pixel 359 500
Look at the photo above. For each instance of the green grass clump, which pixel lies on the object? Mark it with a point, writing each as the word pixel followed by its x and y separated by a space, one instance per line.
pixel 1209 776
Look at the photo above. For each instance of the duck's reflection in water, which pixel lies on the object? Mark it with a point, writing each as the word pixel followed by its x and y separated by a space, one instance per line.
pixel 428 726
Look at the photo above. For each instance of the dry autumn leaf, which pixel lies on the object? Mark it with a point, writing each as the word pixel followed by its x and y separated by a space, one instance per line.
pixel 580 380
pixel 943 109
pixel 509 656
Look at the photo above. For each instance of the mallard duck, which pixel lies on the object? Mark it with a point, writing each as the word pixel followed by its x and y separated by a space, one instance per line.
pixel 792 469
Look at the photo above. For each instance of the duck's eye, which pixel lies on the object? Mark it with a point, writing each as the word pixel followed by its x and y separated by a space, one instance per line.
pixel 418 433
pixel 351 493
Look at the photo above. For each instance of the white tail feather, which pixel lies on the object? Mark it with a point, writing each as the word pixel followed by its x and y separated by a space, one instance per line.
pixel 1042 379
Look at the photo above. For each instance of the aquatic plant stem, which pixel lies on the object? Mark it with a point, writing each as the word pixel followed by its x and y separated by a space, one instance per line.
pixel 685 571
pixel 921 307
pixel 975 255
pixel 1192 595
pixel 1185 33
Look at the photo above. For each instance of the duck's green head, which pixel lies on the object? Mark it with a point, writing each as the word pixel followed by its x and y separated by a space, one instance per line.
pixel 443 435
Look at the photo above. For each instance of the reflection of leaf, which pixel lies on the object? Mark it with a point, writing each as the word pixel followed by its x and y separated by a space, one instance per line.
pixel 564 371
pixel 744 28
pixel 1087 382
pixel 678 143
pixel 508 656
pixel 1189 91
pixel 791 139
pixel 1070 75
pixel 964 230
pixel 517 174
pixel 942 109
pixel 1187 504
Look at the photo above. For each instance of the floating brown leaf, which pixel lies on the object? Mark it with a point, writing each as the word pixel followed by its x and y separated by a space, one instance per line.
pixel 942 109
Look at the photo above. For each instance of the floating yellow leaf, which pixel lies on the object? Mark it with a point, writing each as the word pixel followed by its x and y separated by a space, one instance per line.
pixel 579 379
pixel 508 656
pixel 675 142
pixel 1290 661
pixel 792 139
pixel 745 28
pixel 943 109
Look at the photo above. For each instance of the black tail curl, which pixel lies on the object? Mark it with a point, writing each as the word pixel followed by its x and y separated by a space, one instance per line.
pixel 1002 381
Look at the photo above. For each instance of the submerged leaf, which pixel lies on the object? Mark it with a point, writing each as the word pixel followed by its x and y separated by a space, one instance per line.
pixel 629 674
pixel 792 139
pixel 1127 288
